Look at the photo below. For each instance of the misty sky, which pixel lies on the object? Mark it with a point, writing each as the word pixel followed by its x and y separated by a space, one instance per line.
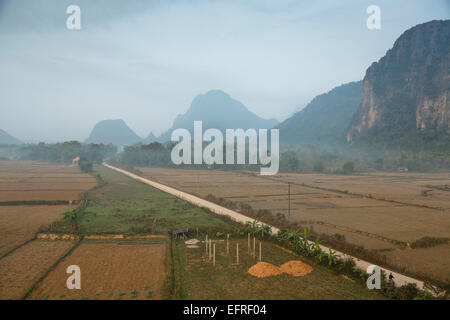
pixel 144 61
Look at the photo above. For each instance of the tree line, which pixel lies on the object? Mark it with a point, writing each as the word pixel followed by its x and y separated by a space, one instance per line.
pixel 66 152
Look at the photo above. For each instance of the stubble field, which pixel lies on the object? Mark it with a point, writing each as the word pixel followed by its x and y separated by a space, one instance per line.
pixel 109 271
pixel 33 195
pixel 380 211
pixel 21 269
pixel 20 223
pixel 28 192
pixel 31 181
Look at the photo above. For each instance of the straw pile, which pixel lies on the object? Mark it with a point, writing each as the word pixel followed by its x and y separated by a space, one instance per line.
pixel 264 269
pixel 296 268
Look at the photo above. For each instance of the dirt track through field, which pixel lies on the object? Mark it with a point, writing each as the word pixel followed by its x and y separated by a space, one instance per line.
pixel 238 217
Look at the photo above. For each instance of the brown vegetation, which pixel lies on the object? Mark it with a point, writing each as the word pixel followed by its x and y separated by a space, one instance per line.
pixel 109 271
pixel 21 269
pixel 376 214
pixel 20 223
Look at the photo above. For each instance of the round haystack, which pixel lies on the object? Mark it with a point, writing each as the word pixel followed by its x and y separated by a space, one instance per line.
pixel 264 269
pixel 296 268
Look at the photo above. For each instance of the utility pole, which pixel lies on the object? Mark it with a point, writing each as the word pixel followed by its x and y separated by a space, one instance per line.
pixel 289 201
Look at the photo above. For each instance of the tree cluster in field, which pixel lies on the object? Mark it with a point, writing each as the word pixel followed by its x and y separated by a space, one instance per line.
pixel 145 155
pixel 66 152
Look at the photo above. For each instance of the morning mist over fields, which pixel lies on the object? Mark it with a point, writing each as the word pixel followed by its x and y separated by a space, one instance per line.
pixel 144 62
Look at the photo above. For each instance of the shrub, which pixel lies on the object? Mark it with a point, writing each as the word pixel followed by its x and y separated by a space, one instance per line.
pixel 427 242
pixel 348 167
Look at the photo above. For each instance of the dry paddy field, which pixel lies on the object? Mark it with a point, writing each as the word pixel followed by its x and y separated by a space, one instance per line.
pixel 21 183
pixel 25 181
pixel 109 271
pixel 21 269
pixel 20 223
pixel 381 211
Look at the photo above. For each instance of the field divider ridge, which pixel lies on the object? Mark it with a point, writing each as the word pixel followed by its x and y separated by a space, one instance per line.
pixel 52 267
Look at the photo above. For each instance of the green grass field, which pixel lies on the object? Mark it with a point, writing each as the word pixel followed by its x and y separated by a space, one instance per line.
pixel 126 206
pixel 201 280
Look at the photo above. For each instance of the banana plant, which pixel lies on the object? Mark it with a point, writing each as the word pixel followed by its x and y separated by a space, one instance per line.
pixel 264 230
pixel 71 216
pixel 310 248
pixel 362 274
pixel 307 246
pixel 219 234
pixel 305 234
pixel 332 257
pixel 317 243
pixel 253 227
pixel 320 255
pixel 288 235
pixel 257 228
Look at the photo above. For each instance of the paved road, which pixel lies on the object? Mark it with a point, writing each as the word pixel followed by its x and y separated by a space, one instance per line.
pixel 399 279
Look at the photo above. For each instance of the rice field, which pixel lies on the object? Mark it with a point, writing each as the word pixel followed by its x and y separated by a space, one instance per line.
pixel 379 211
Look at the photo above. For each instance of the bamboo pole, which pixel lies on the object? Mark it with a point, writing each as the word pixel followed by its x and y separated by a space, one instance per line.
pixel 210 251
pixel 254 247
pixel 237 253
pixel 248 243
pixel 228 243
pixel 260 252
pixel 214 255
pixel 206 245
pixel 289 201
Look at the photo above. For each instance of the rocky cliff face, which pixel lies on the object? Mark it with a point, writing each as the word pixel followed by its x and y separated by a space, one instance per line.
pixel 324 121
pixel 406 93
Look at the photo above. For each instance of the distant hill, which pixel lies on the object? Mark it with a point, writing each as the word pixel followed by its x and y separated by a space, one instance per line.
pixel 325 120
pixel 216 109
pixel 406 93
pixel 150 138
pixel 6 138
pixel 113 131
